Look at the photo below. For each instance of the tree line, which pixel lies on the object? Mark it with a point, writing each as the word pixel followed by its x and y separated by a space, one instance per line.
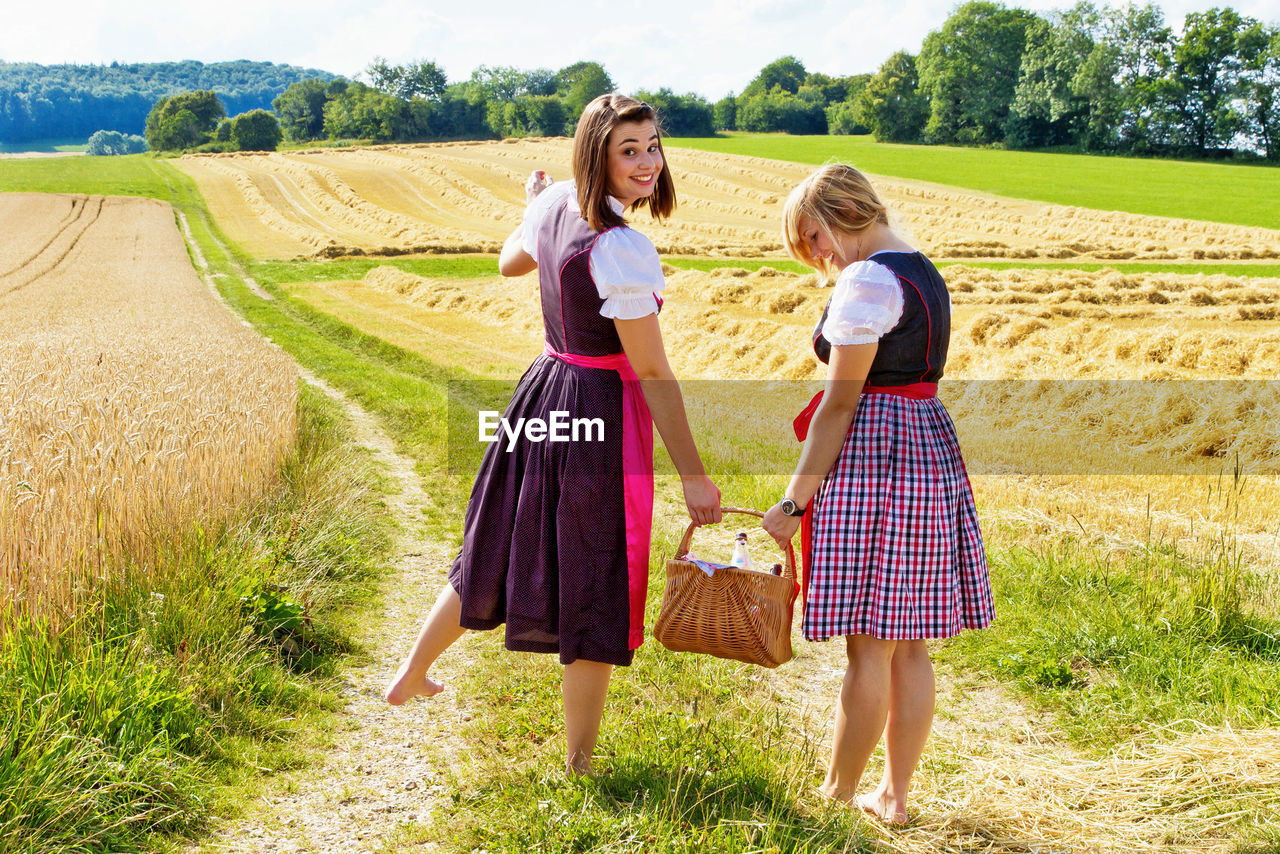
pixel 416 101
pixel 1089 78
pixel 74 101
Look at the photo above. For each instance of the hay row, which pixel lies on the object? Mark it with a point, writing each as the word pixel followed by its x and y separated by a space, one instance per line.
pixel 1182 792
pixel 731 205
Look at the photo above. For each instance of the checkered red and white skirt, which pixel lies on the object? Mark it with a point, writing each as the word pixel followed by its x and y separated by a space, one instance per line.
pixel 897 553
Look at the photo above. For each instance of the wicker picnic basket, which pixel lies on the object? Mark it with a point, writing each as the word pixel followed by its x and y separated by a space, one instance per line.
pixel 735 613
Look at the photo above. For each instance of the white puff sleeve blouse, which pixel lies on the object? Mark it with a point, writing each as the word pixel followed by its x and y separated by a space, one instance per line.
pixel 627 273
pixel 623 262
pixel 866 304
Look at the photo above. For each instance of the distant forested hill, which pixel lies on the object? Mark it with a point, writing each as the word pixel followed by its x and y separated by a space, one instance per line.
pixel 53 101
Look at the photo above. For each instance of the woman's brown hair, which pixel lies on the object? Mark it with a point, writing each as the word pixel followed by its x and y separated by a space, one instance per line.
pixel 591 161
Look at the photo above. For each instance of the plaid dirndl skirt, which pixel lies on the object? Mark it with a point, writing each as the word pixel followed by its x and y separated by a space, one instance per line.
pixel 897 553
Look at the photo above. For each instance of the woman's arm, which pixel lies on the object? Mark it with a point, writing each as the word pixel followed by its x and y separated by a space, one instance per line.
pixel 846 375
pixel 514 261
pixel 642 342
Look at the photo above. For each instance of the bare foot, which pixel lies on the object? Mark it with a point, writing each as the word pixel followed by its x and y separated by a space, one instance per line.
pixel 834 794
pixel 887 809
pixel 405 687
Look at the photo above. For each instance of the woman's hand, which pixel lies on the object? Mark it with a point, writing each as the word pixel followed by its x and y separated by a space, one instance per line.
pixel 538 181
pixel 779 525
pixel 702 497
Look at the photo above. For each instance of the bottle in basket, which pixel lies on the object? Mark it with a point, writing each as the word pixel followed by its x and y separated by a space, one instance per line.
pixel 741 559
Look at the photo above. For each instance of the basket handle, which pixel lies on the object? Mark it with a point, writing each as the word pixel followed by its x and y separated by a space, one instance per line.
pixel 789 557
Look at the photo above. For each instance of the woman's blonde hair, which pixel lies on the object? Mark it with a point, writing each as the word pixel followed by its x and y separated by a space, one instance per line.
pixel 839 199
pixel 591 160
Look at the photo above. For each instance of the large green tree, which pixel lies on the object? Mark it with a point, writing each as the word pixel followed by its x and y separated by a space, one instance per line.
pixel 183 121
pixel 1059 82
pixel 256 130
pixel 779 111
pixel 891 105
pixel 581 83
pixel 1204 78
pixel 1143 48
pixel 786 73
pixel 301 109
pixel 681 115
pixel 419 79
pixel 969 70
pixel 362 112
pixel 1260 87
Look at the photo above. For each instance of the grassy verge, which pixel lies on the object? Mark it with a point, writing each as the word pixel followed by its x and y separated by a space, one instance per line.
pixel 1216 192
pixel 1120 648
pixel 181 682
pixel 445 267
pixel 128 175
pixel 180 679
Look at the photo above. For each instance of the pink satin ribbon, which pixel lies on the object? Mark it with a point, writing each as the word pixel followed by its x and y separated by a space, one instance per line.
pixel 637 477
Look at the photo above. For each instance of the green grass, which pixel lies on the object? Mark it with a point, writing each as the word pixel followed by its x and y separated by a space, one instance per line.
pixel 440 266
pixel 699 756
pixel 66 144
pixel 129 175
pixel 181 679
pixel 1120 648
pixel 1217 192
pixel 1264 270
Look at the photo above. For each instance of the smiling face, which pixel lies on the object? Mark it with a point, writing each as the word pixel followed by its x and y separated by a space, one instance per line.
pixel 634 161
pixel 836 249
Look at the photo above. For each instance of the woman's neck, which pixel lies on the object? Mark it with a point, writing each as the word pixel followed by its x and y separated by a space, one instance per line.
pixel 879 238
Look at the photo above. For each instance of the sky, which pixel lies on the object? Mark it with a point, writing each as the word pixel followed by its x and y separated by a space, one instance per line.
pixel 712 47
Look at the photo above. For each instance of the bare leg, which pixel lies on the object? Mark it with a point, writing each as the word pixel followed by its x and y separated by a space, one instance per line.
pixel 860 715
pixel 911 702
pixel 584 688
pixel 438 633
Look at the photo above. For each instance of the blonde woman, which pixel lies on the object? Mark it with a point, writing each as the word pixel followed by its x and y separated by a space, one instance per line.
pixel 893 555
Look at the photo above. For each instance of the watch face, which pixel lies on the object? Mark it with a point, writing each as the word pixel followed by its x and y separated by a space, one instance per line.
pixel 789 507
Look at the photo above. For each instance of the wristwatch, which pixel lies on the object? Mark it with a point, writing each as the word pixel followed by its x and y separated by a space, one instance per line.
pixel 790 508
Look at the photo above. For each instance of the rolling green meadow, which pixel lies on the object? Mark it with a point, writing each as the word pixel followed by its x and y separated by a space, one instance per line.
pixel 1106 661
pixel 1243 195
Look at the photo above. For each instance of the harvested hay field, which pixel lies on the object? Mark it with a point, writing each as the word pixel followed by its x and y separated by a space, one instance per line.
pixel 1055 410
pixel 137 405
pixel 467 196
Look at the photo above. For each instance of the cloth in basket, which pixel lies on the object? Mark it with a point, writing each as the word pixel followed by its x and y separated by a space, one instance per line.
pixel 742 614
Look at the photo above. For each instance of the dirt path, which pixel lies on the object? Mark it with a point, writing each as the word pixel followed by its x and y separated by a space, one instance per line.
pixel 379 772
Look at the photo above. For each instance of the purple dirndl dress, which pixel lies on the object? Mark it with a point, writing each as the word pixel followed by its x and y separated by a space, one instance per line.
pixel 896 549
pixel 556 534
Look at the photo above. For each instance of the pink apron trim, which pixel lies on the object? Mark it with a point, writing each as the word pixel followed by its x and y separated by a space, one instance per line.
pixel 637 478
